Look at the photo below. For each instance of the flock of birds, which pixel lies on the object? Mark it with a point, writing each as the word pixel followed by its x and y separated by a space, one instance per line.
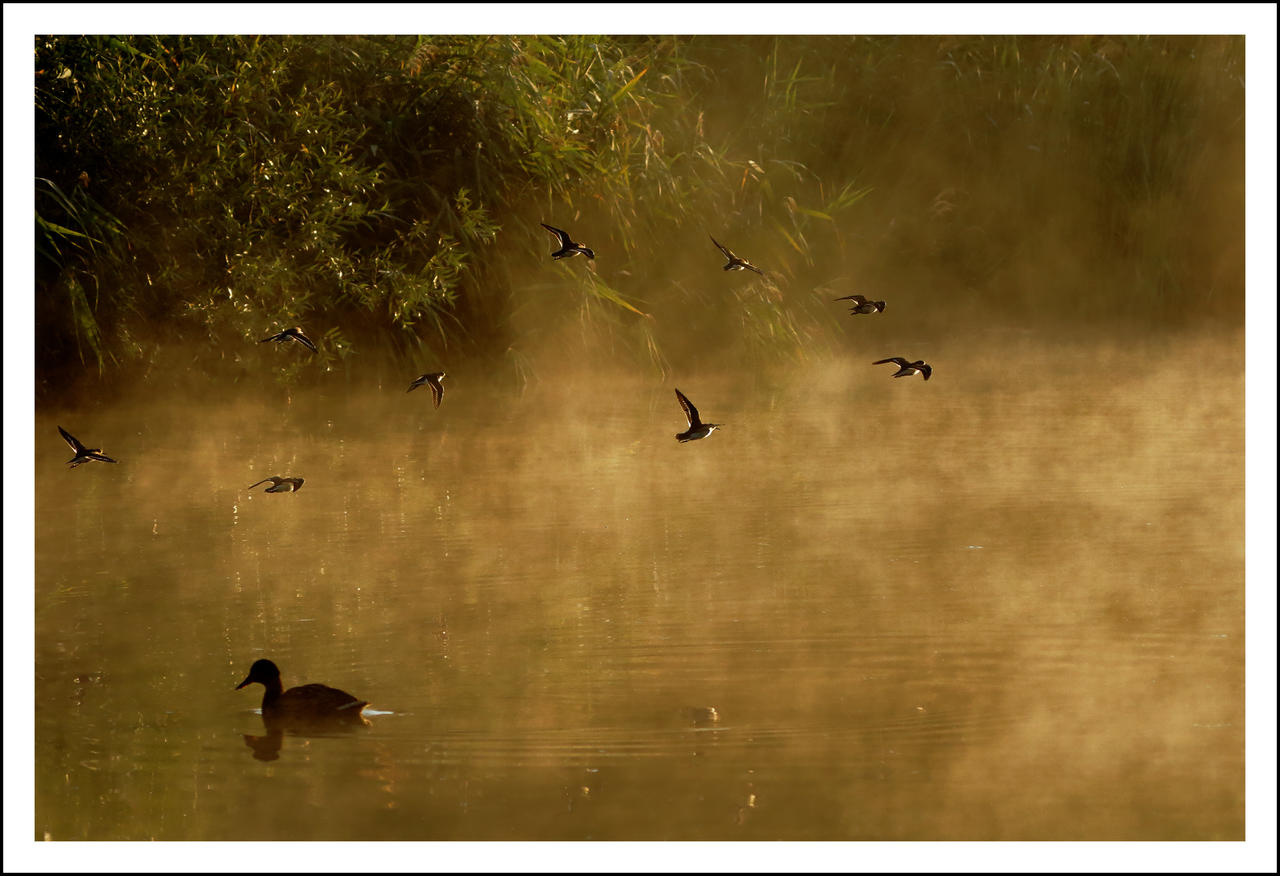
pixel 312 704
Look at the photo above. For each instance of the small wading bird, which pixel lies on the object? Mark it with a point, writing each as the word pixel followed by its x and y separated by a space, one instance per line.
pixel 567 248
pixel 905 368
pixel 862 304
pixel 697 429
pixel 280 485
pixel 83 454
pixel 307 704
pixel 294 334
pixel 433 381
pixel 735 263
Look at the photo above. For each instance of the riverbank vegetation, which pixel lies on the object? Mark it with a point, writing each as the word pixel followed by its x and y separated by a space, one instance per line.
pixel 195 194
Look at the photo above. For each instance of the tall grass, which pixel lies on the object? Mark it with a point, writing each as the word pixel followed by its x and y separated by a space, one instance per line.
pixel 386 192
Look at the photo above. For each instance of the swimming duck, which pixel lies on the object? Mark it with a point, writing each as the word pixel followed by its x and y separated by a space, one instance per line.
pixel 697 429
pixel 905 368
pixel 735 263
pixel 433 381
pixel 279 484
pixel 567 247
pixel 294 334
pixel 83 454
pixel 309 703
pixel 861 304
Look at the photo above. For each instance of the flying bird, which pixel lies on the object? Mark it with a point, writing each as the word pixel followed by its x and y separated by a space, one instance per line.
pixel 294 334
pixel 567 248
pixel 279 484
pixel 862 304
pixel 735 263
pixel 697 429
pixel 433 381
pixel 906 369
pixel 83 454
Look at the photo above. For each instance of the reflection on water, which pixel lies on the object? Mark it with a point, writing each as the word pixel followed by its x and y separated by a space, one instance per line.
pixel 866 608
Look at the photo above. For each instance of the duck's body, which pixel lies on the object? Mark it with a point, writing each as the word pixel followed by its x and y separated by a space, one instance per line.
pixel 280 485
pixel 292 334
pixel 697 429
pixel 734 263
pixel 568 248
pixel 862 304
pixel 433 381
pixel 83 454
pixel 306 704
pixel 905 368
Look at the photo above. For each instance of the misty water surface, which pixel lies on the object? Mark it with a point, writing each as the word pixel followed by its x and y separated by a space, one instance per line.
pixel 1007 603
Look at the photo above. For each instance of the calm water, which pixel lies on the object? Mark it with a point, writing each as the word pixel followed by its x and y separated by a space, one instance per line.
pixel 1004 604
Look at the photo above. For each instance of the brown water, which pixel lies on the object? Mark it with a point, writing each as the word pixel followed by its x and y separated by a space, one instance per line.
pixel 1007 603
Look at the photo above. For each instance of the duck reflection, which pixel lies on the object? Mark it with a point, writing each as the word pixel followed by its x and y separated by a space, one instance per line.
pixel 266 747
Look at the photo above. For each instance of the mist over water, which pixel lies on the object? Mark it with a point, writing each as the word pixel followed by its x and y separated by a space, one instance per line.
pixel 1005 603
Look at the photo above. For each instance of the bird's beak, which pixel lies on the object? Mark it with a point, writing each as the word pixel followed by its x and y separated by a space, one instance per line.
pixel 243 683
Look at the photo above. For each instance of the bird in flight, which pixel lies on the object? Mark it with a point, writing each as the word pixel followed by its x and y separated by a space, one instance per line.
pixel 294 334
pixel 433 381
pixel 735 263
pixel 905 368
pixel 279 484
pixel 862 304
pixel 567 247
pixel 83 454
pixel 697 429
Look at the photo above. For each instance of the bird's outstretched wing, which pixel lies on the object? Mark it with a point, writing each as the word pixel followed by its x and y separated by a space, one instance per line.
pixel 689 410
pixel 560 235
pixel 306 341
pixel 72 440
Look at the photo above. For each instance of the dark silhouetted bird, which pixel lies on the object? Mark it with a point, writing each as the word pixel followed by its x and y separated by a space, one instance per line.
pixel 280 485
pixel 433 381
pixel 697 429
pixel 308 704
pixel 905 368
pixel 294 334
pixel 83 454
pixel 862 304
pixel 567 247
pixel 735 263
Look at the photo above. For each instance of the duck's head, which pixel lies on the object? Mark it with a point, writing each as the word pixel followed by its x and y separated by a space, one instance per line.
pixel 263 672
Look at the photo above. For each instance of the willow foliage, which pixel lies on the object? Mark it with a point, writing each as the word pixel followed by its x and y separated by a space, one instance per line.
pixel 386 191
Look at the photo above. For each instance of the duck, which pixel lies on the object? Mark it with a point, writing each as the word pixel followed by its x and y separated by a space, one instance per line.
pixel 568 248
pixel 735 263
pixel 280 485
pixel 697 429
pixel 83 454
pixel 306 704
pixel 905 368
pixel 433 381
pixel 292 334
pixel 862 304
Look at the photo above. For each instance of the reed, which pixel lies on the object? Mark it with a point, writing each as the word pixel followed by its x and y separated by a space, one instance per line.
pixel 386 191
